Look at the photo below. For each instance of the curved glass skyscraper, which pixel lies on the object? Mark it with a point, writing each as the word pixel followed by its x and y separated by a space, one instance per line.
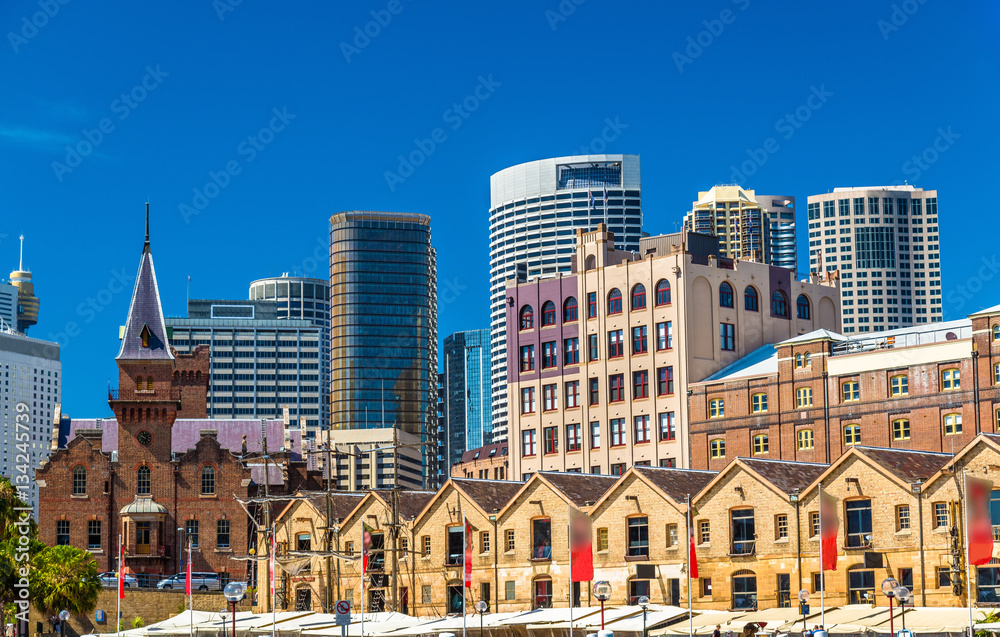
pixel 383 322
pixel 535 211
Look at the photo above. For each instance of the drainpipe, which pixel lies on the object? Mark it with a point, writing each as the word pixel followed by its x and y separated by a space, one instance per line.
pixel 826 409
pixel 916 488
pixel 794 497
pixel 496 571
pixel 975 384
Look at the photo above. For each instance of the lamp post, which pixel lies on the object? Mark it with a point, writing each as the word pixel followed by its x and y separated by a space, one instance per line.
pixel 234 593
pixel 481 607
pixel 63 617
pixel 224 616
pixel 180 548
pixel 804 606
pixel 903 597
pixel 889 586
pixel 643 603
pixel 602 591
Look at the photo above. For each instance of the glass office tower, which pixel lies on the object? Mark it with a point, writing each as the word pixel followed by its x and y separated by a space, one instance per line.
pixel 383 322
pixel 466 386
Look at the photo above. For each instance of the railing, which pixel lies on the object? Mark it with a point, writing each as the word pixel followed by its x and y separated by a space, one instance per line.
pixel 746 547
pixel 875 343
pixel 996 534
pixel 859 541
pixel 117 393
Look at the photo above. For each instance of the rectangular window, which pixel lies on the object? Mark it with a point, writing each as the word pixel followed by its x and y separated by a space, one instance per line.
pixel 804 397
pixel 222 534
pixel 509 588
pixel 639 339
pixel 638 536
pixel 618 469
pixel 591 304
pixel 858 521
pixel 527 358
pixel 665 380
pixel 426 544
pixel 805 439
pixel 602 539
pixel 903 517
pixel 950 380
pixel 509 536
pixel 943 576
pixel 940 514
pixel 761 444
pixel 551 437
pixel 744 531
pixel 595 435
pixel 528 437
pixel 850 391
pixel 704 532
pixel 813 524
pixel 573 394
pixel 541 539
pixel 550 398
pixel 94 535
pixel 672 537
pixel 727 337
pixel 527 400
pixel 573 438
pixel 781 526
pixel 550 355
pixel 484 541
pixel 456 545
pixel 899 386
pixel 572 348
pixel 664 335
pixel 758 403
pixel 595 392
pixel 191 532
pixel 617 432
pixel 716 408
pixel 640 384
pixel 425 594
pixel 817 582
pixel 616 347
pixel 668 426
pixel 706 587
pixel 952 424
pixel 717 448
pixel 641 429
pixel 592 345
pixel 617 386
pixel 901 429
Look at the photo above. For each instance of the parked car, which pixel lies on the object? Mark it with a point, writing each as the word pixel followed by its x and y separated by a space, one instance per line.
pixel 199 582
pixel 111 579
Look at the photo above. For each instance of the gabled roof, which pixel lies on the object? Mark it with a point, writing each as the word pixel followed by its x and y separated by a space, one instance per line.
pixel 815 335
pixel 342 504
pixel 786 475
pixel 763 361
pixel 486 495
pixel 676 483
pixel 481 453
pixel 990 439
pixel 145 314
pixel 580 488
pixel 911 466
pixel 990 310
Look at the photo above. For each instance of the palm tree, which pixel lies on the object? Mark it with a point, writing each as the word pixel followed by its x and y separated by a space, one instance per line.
pixel 64 578
pixel 10 549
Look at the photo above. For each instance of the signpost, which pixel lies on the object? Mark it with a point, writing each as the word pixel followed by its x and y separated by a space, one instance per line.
pixel 343 616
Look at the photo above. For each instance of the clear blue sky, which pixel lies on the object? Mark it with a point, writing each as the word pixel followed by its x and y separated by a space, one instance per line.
pixel 893 75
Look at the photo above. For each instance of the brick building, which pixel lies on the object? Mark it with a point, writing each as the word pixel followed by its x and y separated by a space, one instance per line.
pixel 755 525
pixel 599 360
pixel 158 465
pixel 930 387
pixel 486 462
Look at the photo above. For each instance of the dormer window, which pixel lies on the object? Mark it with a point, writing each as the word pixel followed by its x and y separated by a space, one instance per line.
pixel 144 335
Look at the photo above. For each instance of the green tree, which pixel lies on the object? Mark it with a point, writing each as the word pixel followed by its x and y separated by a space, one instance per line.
pixel 138 622
pixel 15 553
pixel 64 578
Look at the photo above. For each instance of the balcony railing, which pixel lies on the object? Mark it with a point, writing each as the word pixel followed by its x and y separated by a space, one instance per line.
pixel 747 547
pixel 118 393
pixel 859 540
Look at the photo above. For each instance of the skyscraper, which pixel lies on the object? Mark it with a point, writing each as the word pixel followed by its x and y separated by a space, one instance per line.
pixel 383 300
pixel 467 387
pixel 27 302
pixel 306 299
pixel 884 240
pixel 535 210
pixel 750 227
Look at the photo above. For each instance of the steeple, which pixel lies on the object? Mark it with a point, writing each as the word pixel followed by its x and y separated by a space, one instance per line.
pixel 145 336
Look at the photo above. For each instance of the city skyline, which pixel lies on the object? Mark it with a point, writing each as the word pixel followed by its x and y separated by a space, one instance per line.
pixel 827 127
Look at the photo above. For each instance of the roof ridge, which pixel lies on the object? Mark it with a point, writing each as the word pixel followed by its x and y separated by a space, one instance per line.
pixel 813 464
pixel 674 469
pixel 896 449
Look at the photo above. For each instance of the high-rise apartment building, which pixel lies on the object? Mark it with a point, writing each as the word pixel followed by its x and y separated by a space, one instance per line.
pixel 260 365
pixel 535 210
pixel 305 299
pixel 31 377
pixel 383 334
pixel 467 388
pixel 599 360
pixel 8 307
pixel 364 459
pixel 884 241
pixel 750 227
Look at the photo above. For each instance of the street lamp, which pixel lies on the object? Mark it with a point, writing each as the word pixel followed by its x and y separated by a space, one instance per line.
pixel 804 606
pixel 234 593
pixel 903 596
pixel 889 586
pixel 643 603
pixel 63 616
pixel 481 607
pixel 602 591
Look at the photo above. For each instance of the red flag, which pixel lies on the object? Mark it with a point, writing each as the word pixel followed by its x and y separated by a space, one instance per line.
pixel 693 558
pixel 581 546
pixel 467 562
pixel 978 518
pixel 187 580
pixel 121 570
pixel 829 525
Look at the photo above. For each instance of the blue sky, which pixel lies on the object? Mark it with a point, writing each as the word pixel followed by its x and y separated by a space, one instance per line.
pixel 182 92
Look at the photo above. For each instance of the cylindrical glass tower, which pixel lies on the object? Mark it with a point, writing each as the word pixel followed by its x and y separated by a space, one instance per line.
pixel 383 314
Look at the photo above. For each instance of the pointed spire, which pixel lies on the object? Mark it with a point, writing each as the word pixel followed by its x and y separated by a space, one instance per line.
pixel 145 247
pixel 20 262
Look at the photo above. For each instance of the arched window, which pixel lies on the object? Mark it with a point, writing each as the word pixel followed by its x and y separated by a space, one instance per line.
pixel 852 434
pixel 639 297
pixel 570 310
pixel 527 318
pixel 744 590
pixel 662 292
pixel 142 481
pixel 802 307
pixel 615 302
pixel 138 383
pixel 208 480
pixel 779 304
pixel 541 589
pixel 996 332
pixel 79 481
pixel 751 302
pixel 726 295
pixel 548 313
pixel 149 383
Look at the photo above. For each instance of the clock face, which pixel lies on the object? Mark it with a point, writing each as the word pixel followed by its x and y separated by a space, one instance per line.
pixel 145 438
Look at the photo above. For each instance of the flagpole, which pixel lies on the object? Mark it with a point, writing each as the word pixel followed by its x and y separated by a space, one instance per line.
pixel 190 593
pixel 274 587
pixel 569 550
pixel 822 573
pixel 968 562
pixel 690 540
pixel 118 610
pixel 465 542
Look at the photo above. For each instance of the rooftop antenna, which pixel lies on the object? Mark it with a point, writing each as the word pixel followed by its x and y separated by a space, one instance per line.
pixel 20 261
pixel 145 246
